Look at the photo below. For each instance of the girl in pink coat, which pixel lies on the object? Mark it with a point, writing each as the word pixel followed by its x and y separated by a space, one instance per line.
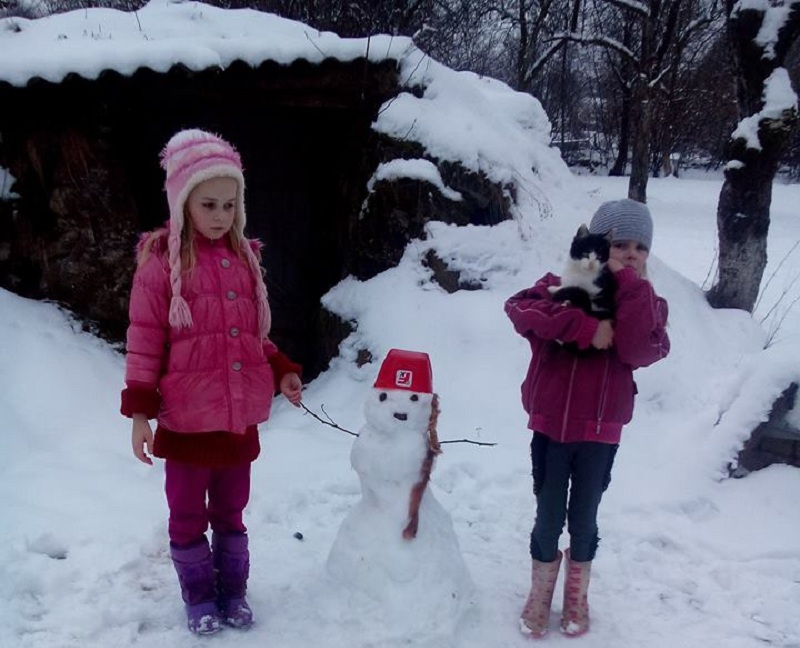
pixel 199 361
pixel 578 396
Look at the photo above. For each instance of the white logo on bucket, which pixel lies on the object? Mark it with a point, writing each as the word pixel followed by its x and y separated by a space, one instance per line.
pixel 403 378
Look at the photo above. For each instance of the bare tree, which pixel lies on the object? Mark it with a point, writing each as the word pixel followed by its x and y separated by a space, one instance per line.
pixel 675 114
pixel 468 35
pixel 761 36
pixel 622 71
pixel 701 112
pixel 659 31
pixel 513 40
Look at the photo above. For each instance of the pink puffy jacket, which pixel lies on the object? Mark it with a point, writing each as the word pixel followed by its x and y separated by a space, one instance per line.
pixel 586 396
pixel 215 375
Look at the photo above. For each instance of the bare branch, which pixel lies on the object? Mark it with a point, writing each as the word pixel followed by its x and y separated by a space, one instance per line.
pixel 637 7
pixel 602 41
pixel 480 443
pixel 772 276
pixel 538 64
pixel 770 341
pixel 330 422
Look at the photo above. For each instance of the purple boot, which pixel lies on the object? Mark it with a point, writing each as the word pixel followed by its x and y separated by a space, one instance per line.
pixel 196 575
pixel 232 563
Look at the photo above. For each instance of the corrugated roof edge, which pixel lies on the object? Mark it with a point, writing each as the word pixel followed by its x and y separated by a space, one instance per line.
pixel 182 68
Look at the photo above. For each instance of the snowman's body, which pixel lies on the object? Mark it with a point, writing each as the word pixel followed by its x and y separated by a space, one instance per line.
pixel 420 585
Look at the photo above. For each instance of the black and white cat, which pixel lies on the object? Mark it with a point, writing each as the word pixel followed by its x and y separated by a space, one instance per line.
pixel 587 283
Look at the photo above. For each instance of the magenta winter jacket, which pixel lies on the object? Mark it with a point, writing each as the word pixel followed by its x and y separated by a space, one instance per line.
pixel 586 396
pixel 215 375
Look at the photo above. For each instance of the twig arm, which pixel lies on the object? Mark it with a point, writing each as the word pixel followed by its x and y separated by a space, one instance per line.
pixel 329 422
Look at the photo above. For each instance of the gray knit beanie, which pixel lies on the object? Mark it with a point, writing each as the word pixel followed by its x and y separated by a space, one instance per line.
pixel 630 220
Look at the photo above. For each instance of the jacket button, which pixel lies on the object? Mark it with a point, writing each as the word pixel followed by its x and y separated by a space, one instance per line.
pixel 231 295
pixel 236 366
pixel 225 263
pixel 234 331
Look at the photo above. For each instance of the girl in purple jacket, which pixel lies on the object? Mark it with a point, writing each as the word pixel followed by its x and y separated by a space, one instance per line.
pixel 577 402
pixel 199 361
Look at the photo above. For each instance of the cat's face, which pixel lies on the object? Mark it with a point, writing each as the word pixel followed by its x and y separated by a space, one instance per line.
pixel 590 251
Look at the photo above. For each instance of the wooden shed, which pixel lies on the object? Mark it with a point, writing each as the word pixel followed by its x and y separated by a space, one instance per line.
pixel 84 156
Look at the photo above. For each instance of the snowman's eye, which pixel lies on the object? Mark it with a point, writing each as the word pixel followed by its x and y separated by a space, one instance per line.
pixel 414 398
pixel 382 397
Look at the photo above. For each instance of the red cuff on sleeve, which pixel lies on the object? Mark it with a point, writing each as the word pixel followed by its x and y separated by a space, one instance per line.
pixel 140 400
pixel 626 276
pixel 586 335
pixel 281 365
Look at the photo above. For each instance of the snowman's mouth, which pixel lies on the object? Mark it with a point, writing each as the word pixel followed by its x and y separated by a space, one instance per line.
pixel 401 416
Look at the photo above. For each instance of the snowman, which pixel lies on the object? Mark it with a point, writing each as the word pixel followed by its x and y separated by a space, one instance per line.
pixel 396 549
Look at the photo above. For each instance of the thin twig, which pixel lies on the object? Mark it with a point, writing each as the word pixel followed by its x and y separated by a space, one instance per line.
pixel 711 269
pixel 316 47
pixel 480 443
pixel 328 422
pixel 779 299
pixel 776 326
pixel 775 272
pixel 332 424
pixel 403 85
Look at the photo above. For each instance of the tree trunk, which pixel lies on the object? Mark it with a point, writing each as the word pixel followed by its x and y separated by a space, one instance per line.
pixel 743 225
pixel 640 158
pixel 626 72
pixel 642 97
pixel 618 169
pixel 744 201
pixel 666 165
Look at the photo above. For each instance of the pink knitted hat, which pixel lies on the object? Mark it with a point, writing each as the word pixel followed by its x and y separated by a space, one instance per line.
pixel 189 158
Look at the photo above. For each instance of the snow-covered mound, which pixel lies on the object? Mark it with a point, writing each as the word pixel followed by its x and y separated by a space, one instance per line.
pixel 685 559
pixel 83 539
pixel 755 387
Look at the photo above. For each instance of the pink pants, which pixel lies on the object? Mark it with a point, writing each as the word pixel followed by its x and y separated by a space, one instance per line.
pixel 187 486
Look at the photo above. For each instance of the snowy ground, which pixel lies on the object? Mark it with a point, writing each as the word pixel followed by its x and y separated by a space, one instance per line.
pixel 685 560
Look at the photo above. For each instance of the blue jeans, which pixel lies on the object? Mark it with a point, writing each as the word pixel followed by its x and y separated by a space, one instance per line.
pixel 569 480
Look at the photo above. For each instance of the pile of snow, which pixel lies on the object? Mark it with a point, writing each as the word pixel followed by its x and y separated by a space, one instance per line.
pixel 685 558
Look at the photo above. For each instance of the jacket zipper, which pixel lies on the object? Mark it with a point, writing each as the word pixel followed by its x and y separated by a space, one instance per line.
pixel 569 400
pixel 601 406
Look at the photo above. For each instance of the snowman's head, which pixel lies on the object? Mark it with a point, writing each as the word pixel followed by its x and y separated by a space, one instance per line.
pixel 398 411
pixel 402 394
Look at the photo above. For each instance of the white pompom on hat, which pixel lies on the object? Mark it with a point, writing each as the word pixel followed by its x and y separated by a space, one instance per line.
pixel 189 158
pixel 628 219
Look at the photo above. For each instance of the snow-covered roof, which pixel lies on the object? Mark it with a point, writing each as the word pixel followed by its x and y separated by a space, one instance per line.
pixel 166 33
pixel 478 122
